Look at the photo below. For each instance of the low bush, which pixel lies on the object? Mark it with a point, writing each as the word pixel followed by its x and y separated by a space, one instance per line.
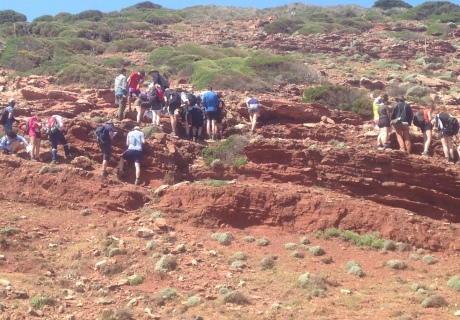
pixel 223 238
pixel 267 263
pixel 227 151
pixel 263 242
pixel 38 302
pixel 396 264
pixel 168 293
pixel 166 263
pixel 429 259
pixel 434 301
pixel 136 280
pixel 235 297
pixel 454 283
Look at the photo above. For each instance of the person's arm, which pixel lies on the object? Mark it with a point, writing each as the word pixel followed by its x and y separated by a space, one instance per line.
pixel 143 138
pixel 127 140
pixel 2 143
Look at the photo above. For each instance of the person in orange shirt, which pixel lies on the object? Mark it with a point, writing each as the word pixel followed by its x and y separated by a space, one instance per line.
pixel 135 79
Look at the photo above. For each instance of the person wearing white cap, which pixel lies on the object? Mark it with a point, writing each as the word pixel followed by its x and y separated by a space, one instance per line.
pixel 9 114
pixel 134 141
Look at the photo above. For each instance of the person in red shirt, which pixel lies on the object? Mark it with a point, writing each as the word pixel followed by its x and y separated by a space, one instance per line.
pixel 135 79
pixel 35 134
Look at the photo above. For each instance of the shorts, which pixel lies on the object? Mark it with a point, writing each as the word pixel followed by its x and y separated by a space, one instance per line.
pixel 427 126
pixel 132 155
pixel 106 149
pixel 38 134
pixel 137 92
pixel 197 119
pixel 254 109
pixel 157 106
pixel 384 123
pixel 211 115
pixel 219 117
pixel 172 109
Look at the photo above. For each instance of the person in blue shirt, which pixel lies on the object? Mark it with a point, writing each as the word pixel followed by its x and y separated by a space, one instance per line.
pixel 210 101
pixel 134 141
pixel 10 120
pixel 12 143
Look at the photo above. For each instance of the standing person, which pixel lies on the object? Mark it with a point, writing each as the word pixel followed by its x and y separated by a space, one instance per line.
pixel 173 102
pixel 134 141
pixel 378 102
pixel 156 101
pixel 188 99
pixel 429 114
pixel 384 125
pixel 159 80
pixel 210 101
pixel 104 135
pixel 35 134
pixel 441 126
pixel 142 104
pixel 401 119
pixel 253 109
pixel 220 115
pixel 12 143
pixel 197 120
pixel 55 127
pixel 121 93
pixel 135 79
pixel 8 116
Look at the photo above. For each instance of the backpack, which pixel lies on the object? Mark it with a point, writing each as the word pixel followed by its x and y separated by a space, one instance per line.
pixel 452 126
pixel 419 119
pixel 4 117
pixel 52 125
pixel 253 105
pixel 191 99
pixel 154 96
pixel 102 135
pixel 174 98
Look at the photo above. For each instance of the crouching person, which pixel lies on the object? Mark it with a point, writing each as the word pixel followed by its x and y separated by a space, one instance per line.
pixel 134 141
pixel 12 143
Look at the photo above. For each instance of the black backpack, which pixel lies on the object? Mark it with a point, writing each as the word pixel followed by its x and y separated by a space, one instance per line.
pixel 452 126
pixel 419 119
pixel 101 135
pixel 4 117
pixel 173 98
pixel 154 96
pixel 192 99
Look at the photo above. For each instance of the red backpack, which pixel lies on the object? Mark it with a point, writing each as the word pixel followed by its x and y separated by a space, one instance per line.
pixel 52 125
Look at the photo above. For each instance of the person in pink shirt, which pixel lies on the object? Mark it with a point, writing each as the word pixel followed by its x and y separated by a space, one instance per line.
pixel 35 134
pixel 135 79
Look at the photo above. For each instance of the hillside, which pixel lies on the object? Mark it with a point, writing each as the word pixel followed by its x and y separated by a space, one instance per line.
pixel 305 218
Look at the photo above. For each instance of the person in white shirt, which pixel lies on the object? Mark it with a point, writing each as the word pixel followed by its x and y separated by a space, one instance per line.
pixel 134 141
pixel 55 127
pixel 121 93
pixel 12 143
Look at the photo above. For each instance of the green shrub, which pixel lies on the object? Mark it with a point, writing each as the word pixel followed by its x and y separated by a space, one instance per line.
pixel 193 301
pixel 249 239
pixel 239 162
pixel 297 254
pixel 223 238
pixel 238 264
pixel 414 257
pixel 11 16
pixel 166 263
pixel 136 280
pixel 284 25
pixel 290 246
pixel 9 231
pixel 317 251
pixel 454 283
pixel 434 301
pixel 396 264
pixel 263 242
pixel 332 232
pixel 316 285
pixel 215 183
pixel 267 263
pixel 116 62
pixel 239 255
pixel 418 91
pixel 355 269
pixel 388 4
pixel 168 293
pixel 38 302
pixel 227 151
pixel 429 260
pixel 235 297
pixel 304 240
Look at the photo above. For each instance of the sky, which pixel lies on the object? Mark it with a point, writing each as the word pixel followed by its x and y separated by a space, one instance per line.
pixel 36 8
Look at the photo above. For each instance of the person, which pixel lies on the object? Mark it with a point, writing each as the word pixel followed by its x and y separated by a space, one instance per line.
pixel 135 79
pixel 378 102
pixel 384 125
pixel 12 143
pixel 106 145
pixel 197 121
pixel 142 104
pixel 173 103
pixel 253 109
pixel 159 80
pixel 121 92
pixel 401 118
pixel 219 116
pixel 8 126
pixel 134 141
pixel 210 102
pixel 157 103
pixel 188 99
pixel 56 135
pixel 427 128
pixel 446 139
pixel 35 134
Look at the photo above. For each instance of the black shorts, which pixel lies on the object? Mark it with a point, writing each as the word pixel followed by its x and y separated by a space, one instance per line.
pixel 219 117
pixel 384 122
pixel 426 126
pixel 197 118
pixel 172 108
pixel 106 149
pixel 132 155
pixel 211 115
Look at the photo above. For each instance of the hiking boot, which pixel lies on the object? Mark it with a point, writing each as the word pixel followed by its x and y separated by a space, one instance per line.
pixel 386 146
pixel 68 156
pixel 137 182
pixel 173 134
pixel 195 139
pixel 105 174
pixel 425 154
pixel 446 159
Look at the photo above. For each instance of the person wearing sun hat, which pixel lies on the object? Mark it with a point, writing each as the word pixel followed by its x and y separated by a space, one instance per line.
pixel 9 113
pixel 134 140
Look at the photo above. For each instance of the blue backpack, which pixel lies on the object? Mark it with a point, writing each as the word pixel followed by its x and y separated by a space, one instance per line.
pixel 102 135
pixel 253 105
